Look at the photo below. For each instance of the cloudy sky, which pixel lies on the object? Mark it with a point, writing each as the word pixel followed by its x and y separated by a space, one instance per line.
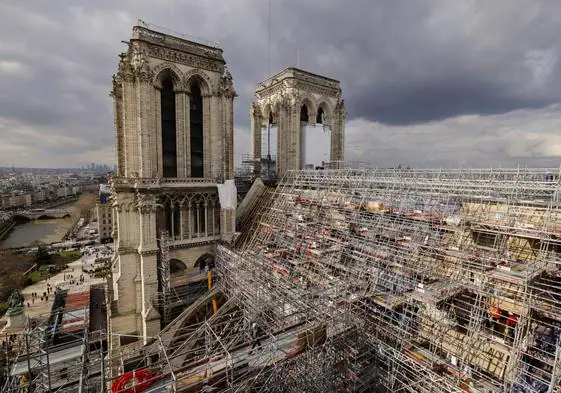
pixel 427 82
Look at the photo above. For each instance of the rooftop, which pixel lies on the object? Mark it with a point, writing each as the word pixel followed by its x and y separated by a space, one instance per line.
pixel 160 36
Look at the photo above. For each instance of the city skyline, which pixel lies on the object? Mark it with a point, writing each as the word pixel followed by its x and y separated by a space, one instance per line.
pixel 427 85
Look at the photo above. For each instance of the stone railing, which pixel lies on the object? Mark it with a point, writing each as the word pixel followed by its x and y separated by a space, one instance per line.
pixel 162 182
pixel 194 240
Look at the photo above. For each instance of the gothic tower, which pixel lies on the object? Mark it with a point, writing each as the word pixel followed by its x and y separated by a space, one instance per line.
pixel 173 104
pixel 293 101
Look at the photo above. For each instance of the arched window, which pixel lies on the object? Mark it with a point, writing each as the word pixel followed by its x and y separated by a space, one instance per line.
pixel 320 116
pixel 205 261
pixel 304 113
pixel 169 143
pixel 196 122
pixel 270 117
pixel 176 267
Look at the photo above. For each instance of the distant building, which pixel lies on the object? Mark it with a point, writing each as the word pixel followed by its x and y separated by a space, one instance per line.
pixel 21 200
pixel 104 215
pixel 38 196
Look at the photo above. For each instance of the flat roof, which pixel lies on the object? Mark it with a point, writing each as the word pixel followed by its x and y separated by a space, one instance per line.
pixel 299 74
pixel 299 70
pixel 159 36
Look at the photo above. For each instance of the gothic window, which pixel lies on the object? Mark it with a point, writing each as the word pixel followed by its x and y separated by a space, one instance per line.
pixel 196 120
pixel 304 113
pixel 169 144
pixel 199 219
pixel 320 116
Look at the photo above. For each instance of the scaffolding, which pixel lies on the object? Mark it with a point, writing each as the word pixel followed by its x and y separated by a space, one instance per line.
pixel 55 356
pixel 388 280
pixel 164 278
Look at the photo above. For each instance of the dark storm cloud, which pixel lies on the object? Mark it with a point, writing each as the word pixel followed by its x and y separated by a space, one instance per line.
pixel 406 62
pixel 400 62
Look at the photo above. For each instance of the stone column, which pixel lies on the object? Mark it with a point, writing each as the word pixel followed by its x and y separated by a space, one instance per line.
pixel 256 124
pixel 181 220
pixel 172 222
pixel 282 137
pixel 189 223
pixel 206 218
pixel 152 130
pixel 208 149
pixel 180 131
pixel 120 147
pixel 302 138
pixel 187 134
pixel 198 220
pixel 158 139
pixel 130 127
pixel 213 219
pixel 338 133
pixel 144 118
pixel 216 130
pixel 229 138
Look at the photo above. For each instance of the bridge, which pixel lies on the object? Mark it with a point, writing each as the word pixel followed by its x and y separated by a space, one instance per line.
pixel 37 214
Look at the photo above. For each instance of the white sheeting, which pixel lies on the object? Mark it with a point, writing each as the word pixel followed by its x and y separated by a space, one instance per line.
pixel 228 194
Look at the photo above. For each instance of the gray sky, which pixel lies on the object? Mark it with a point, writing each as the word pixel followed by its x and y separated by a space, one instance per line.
pixel 427 82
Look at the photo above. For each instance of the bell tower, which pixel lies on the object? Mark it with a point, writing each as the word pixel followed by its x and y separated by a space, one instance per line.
pixel 173 106
pixel 308 114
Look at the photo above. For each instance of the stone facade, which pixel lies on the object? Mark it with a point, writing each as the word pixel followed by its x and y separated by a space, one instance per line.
pixel 281 97
pixel 104 214
pixel 145 199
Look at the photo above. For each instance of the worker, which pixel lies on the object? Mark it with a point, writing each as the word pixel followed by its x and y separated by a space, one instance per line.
pixel 256 334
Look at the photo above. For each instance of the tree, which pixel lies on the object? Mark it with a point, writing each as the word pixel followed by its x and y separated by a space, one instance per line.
pixel 42 256
pixel 81 208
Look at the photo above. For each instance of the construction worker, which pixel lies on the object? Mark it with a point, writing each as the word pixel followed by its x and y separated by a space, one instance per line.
pixel 256 334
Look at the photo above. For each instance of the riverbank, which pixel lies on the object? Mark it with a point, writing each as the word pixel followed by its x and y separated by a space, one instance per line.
pixel 15 235
pixel 6 227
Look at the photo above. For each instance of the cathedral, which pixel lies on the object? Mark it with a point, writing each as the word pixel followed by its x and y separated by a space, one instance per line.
pixel 173 196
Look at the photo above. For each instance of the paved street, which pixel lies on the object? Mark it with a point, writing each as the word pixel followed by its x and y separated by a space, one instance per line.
pixel 63 279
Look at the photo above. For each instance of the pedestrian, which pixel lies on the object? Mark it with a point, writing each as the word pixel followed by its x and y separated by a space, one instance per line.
pixel 256 334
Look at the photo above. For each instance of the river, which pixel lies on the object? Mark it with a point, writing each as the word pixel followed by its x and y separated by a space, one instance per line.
pixel 45 231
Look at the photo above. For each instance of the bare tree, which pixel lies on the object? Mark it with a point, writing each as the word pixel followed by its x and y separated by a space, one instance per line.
pixel 81 209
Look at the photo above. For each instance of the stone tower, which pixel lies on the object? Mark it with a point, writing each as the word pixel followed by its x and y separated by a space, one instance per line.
pixel 292 100
pixel 173 104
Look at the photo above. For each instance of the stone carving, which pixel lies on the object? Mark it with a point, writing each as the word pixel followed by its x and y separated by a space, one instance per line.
pixel 340 109
pixel 146 203
pixel 116 89
pixel 179 43
pixel 139 64
pixel 226 88
pixel 185 58
pixel 256 110
pixel 15 302
pixel 137 59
